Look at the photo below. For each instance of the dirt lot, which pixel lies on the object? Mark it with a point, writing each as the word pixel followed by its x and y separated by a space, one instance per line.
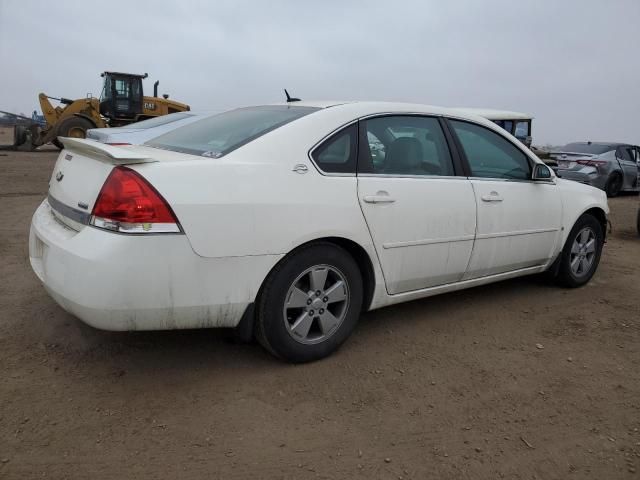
pixel 448 387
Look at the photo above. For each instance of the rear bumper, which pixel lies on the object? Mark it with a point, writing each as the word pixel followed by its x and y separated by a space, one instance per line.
pixel 587 175
pixel 147 282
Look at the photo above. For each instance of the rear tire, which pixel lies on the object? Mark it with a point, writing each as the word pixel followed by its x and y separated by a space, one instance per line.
pixel 310 303
pixel 581 253
pixel 614 185
pixel 75 127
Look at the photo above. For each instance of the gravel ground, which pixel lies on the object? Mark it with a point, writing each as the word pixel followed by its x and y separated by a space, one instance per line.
pixel 519 380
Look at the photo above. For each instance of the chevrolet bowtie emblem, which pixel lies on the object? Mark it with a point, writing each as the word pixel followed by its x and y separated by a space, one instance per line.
pixel 59 176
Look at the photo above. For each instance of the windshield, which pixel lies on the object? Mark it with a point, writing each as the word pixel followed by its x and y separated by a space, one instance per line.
pixel 220 134
pixel 595 149
pixel 158 121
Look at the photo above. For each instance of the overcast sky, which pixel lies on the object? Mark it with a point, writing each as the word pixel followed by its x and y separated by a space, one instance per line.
pixel 574 65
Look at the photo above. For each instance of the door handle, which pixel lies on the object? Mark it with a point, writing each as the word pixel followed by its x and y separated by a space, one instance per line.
pixel 492 197
pixel 380 197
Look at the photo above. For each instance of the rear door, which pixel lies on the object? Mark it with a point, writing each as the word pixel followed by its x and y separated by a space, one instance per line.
pixel 519 220
pixel 628 163
pixel 421 214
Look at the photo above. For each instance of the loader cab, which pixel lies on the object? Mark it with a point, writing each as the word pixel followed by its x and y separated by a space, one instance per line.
pixel 121 98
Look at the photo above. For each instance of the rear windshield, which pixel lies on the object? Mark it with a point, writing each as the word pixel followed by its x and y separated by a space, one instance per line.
pixel 592 148
pixel 161 120
pixel 220 134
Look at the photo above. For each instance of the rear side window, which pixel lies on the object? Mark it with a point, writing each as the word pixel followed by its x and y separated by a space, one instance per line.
pixel 338 153
pixel 490 155
pixel 220 134
pixel 406 145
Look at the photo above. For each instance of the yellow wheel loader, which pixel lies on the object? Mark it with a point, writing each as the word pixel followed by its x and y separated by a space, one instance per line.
pixel 122 102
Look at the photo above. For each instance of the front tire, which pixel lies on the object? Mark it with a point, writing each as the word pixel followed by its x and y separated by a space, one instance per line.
pixel 581 253
pixel 75 127
pixel 310 303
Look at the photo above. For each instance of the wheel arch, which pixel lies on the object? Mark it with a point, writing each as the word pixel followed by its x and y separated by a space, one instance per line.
pixel 357 252
pixel 594 211
pixel 616 172
pixel 600 215
pixel 87 117
pixel 365 265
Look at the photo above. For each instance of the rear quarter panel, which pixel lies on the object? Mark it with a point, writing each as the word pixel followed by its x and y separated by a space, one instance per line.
pixel 250 202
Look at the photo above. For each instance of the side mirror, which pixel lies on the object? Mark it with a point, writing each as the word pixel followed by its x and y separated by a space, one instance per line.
pixel 541 173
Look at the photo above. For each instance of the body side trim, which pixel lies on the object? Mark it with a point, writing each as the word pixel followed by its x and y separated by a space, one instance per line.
pixel 428 241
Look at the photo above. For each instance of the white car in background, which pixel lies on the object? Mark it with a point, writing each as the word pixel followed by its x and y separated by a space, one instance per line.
pixel 280 220
pixel 140 132
pixel 517 124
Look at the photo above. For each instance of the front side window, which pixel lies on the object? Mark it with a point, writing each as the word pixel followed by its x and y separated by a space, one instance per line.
pixel 218 135
pixel 490 155
pixel 406 145
pixel 338 153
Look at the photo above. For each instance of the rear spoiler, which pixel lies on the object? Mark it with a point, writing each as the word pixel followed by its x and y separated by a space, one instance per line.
pixel 115 155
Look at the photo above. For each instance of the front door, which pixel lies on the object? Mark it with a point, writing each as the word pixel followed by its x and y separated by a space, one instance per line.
pixel 519 220
pixel 420 213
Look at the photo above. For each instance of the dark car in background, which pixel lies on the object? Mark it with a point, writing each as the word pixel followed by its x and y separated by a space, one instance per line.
pixel 612 167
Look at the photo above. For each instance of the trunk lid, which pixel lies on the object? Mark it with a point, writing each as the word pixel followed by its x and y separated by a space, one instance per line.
pixel 568 160
pixel 106 134
pixel 79 173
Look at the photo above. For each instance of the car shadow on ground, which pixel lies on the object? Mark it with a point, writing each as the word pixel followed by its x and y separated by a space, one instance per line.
pixel 217 348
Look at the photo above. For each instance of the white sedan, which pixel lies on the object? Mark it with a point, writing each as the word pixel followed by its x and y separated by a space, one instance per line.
pixel 288 221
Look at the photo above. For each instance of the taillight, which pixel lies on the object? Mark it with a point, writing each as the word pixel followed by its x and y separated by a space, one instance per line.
pixel 591 163
pixel 128 203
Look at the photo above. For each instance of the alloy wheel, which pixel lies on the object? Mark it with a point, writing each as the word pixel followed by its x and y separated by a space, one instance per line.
pixel 583 252
pixel 316 304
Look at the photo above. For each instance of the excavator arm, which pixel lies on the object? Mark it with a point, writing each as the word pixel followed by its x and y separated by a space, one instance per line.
pixel 59 119
pixel 50 113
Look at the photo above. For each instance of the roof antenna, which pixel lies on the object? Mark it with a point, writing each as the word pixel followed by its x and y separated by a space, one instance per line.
pixel 289 98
